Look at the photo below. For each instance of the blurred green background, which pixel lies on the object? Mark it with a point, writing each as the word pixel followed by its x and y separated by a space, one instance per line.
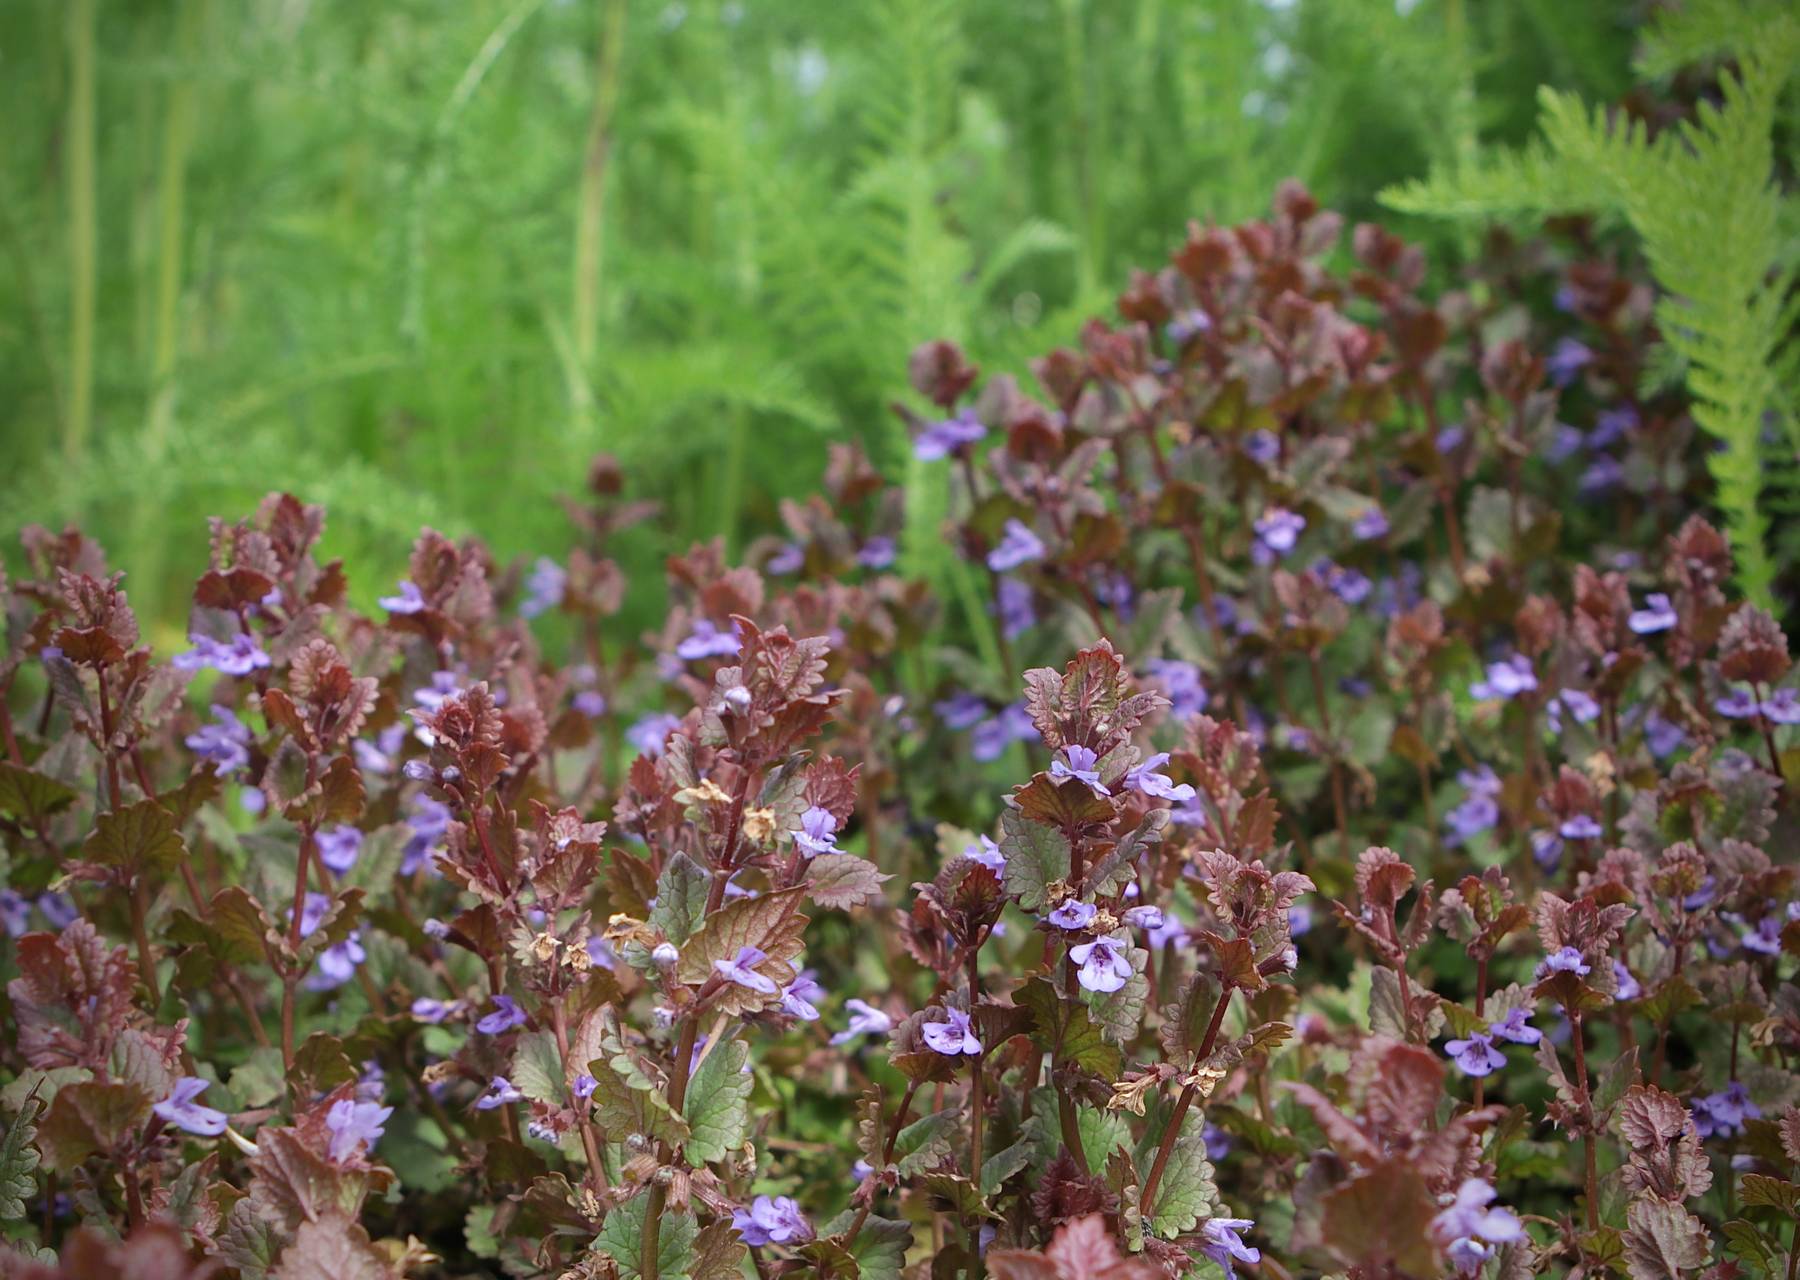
pixel 419 259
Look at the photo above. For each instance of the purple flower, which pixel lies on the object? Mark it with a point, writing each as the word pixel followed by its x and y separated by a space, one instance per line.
pixel 1149 919
pixel 1577 703
pixel 410 599
pixel 601 952
pixel 1013 605
pixel 1349 585
pixel 798 995
pixel 1172 933
pixel 239 656
pixel 590 703
pixel 444 686
pixel 337 964
pixel 1602 473
pixel 942 438
pixel 1722 1114
pixel 1186 326
pixel 429 822
pixel 544 589
pixel 961 710
pixel 15 912
pixel 741 969
pixel 1262 446
pixel 339 846
pixel 789 558
pixel 1105 965
pixel 1451 438
pixel 425 1009
pixel 1480 808
pixel 1466 1226
pixel 1656 615
pixel 1765 938
pixel 1662 736
pixel 771 1221
pixel 57 909
pixel 1581 826
pixel 1218 1142
pixel 354 1124
pixel 1277 532
pixel 180 1109
pixel 1018 545
pixel 1475 1056
pixel 500 1092
pixel 1629 988
pixel 378 757
pixel 1220 1242
pixel 585 1085
pixel 1738 704
pixel 1146 780
pixel 865 1020
pixel 225 742
pixel 1568 359
pixel 1299 919
pixel 1703 896
pixel 952 1037
pixel 817 832
pixel 1782 707
pixel 1516 1026
pixel 1610 426
pixel 1078 763
pixel 1546 850
pixel 1506 679
pixel 985 852
pixel 876 553
pixel 505 1017
pixel 1371 524
pixel 707 641
pixel 1564 960
pixel 991 737
pixel 649 734
pixel 1565 441
pixel 1073 914
pixel 1181 684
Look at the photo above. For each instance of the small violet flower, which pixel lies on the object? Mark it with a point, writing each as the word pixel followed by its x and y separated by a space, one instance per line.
pixel 741 969
pixel 1078 763
pixel 339 846
pixel 354 1124
pixel 1564 960
pixel 1018 545
pixel 410 599
pixel 507 1015
pixel 1104 964
pixel 1220 1241
pixel 1722 1114
pixel 225 743
pixel 1073 914
pixel 237 657
pixel 499 1093
pixel 771 1221
pixel 945 437
pixel 707 641
pixel 1277 532
pixel 818 832
pixel 1656 615
pixel 1467 1227
pixel 544 589
pixel 1475 1056
pixel 865 1020
pixel 953 1037
pixel 180 1109
pixel 1146 780
pixel 985 852
pixel 648 735
pixel 1506 679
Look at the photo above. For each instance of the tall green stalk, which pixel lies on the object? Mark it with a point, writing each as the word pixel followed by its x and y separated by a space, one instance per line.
pixel 84 247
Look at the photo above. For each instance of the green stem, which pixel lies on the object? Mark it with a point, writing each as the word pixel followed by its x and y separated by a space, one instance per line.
pixel 83 228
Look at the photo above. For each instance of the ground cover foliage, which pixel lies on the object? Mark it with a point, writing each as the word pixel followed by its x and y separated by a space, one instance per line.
pixel 1355 836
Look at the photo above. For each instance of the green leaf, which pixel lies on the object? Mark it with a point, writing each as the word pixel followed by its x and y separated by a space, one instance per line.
pixel 537 1068
pixel 1065 1028
pixel 1773 1193
pixel 1184 1021
pixel 680 898
pixel 478 1232
pixel 261 1079
pixel 1037 856
pixel 137 838
pixel 843 880
pixel 18 1159
pixel 881 1245
pixel 29 795
pixel 1117 868
pixel 89 1118
pixel 1662 1239
pixel 1000 1166
pixel 925 1142
pixel 770 923
pixel 622 1235
pixel 717 1103
pixel 1102 1133
pixel 1187 1192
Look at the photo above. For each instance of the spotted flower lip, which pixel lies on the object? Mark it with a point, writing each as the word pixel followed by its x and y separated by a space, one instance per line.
pixel 818 832
pixel 1103 964
pixel 1081 764
pixel 1073 914
pixel 181 1110
pixel 1564 960
pixel 1475 1055
pixel 741 969
pixel 952 1037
